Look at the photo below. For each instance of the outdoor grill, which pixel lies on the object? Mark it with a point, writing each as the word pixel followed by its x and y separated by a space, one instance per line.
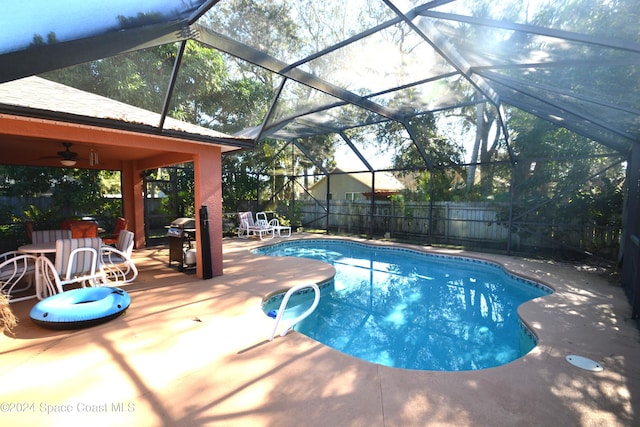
pixel 181 233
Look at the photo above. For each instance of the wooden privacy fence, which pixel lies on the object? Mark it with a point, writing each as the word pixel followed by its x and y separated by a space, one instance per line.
pixel 472 224
pixel 451 221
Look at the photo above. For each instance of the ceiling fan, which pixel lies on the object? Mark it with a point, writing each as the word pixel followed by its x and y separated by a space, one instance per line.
pixel 67 157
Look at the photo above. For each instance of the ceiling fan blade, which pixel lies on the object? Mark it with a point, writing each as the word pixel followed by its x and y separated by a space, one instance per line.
pixel 67 155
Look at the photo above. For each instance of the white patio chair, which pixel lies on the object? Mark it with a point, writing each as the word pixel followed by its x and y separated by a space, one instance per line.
pixel 248 226
pixel 76 262
pixel 16 276
pixel 116 261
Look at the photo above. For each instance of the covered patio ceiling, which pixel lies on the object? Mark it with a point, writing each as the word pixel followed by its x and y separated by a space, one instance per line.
pixel 388 60
pixel 43 150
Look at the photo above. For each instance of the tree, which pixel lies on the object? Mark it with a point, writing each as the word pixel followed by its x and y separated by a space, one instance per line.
pixel 74 192
pixel 440 166
pixel 206 92
pixel 238 183
pixel 252 23
pixel 563 179
pixel 27 181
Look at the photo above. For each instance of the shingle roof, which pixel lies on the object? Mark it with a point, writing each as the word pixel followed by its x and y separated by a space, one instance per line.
pixel 38 93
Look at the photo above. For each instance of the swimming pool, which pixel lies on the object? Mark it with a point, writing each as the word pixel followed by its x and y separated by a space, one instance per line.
pixel 404 308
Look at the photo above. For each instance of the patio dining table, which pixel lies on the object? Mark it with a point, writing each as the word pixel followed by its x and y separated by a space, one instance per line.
pixel 38 248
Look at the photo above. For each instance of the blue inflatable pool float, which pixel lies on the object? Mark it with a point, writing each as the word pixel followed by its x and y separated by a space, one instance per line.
pixel 80 308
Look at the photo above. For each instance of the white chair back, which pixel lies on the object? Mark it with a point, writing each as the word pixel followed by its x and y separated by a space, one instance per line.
pixel 117 263
pixel 83 262
pixel 261 216
pixel 125 242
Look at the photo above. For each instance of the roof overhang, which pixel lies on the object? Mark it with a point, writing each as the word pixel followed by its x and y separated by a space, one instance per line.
pixel 31 141
pixel 37 116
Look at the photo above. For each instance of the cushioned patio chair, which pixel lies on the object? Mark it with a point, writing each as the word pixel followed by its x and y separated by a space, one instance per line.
pixel 17 271
pixel 81 229
pixel 112 239
pixel 116 261
pixel 77 262
pixel 47 236
pixel 245 220
pixel 28 229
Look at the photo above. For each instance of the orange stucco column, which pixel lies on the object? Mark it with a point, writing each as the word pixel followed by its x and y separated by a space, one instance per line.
pixel 133 201
pixel 207 172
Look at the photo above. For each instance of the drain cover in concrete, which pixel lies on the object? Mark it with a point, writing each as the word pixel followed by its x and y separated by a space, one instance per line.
pixel 584 363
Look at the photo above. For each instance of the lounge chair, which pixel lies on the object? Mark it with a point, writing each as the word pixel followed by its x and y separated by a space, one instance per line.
pixel 248 226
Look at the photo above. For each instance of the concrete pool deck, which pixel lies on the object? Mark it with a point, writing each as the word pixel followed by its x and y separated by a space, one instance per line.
pixel 192 352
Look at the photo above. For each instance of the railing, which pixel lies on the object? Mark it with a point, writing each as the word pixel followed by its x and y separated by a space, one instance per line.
pixel 283 306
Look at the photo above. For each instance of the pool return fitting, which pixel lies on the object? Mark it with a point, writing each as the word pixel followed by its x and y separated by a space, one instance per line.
pixel 283 306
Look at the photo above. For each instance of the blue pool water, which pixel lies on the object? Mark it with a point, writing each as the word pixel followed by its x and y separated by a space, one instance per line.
pixel 408 309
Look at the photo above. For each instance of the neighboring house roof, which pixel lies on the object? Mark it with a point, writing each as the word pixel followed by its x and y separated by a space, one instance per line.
pixel 384 182
pixel 42 94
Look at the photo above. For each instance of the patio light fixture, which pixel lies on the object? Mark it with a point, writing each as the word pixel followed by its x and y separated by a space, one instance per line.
pixel 68 162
